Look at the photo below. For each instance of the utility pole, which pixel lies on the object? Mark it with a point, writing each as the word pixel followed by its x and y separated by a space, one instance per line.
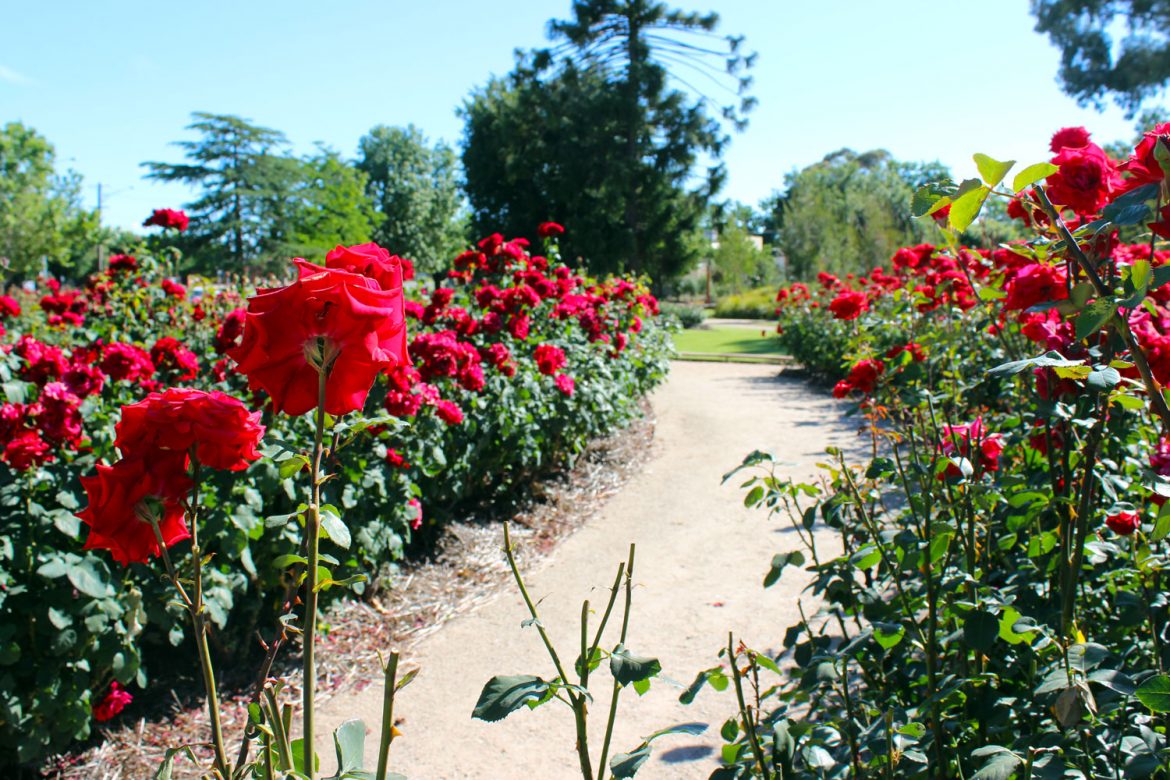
pixel 101 249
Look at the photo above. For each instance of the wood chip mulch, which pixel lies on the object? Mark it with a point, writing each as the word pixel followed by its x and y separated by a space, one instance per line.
pixel 466 570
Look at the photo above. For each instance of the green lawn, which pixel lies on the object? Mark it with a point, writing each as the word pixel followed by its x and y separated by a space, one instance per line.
pixel 739 341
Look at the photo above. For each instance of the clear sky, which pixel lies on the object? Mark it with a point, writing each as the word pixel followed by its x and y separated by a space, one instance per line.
pixel 112 83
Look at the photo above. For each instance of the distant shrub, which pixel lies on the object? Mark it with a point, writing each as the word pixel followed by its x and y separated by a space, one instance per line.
pixel 688 314
pixel 758 304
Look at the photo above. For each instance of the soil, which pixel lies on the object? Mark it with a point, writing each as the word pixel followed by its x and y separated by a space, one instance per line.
pixel 701 557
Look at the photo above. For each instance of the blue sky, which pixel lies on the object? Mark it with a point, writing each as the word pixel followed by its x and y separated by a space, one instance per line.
pixel 112 83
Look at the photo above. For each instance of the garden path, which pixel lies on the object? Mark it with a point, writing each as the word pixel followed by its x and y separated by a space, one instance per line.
pixel 701 557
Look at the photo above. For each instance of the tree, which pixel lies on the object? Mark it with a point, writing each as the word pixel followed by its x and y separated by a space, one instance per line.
pixel 1092 65
pixel 41 217
pixel 638 137
pixel 848 213
pixel 415 189
pixel 257 203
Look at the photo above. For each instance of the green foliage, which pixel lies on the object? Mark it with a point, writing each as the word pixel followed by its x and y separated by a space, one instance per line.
pixel 1093 64
pixel 688 315
pixel 739 262
pixel 415 188
pixel 617 146
pixel 41 218
pixel 847 213
pixel 758 304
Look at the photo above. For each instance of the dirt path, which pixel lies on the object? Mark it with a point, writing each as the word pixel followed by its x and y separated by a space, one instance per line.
pixel 700 561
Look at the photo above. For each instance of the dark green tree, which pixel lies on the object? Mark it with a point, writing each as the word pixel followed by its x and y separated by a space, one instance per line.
pixel 415 189
pixel 41 217
pixel 329 205
pixel 624 86
pixel 1092 64
pixel 847 213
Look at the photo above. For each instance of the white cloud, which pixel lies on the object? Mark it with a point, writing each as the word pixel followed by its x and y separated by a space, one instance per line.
pixel 12 77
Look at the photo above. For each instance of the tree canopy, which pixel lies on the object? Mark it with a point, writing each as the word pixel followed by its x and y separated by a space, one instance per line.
pixel 258 204
pixel 1092 64
pixel 604 133
pixel 41 217
pixel 847 213
pixel 415 188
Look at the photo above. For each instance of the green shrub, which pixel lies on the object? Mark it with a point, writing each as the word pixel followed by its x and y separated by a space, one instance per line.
pixel 688 315
pixel 758 304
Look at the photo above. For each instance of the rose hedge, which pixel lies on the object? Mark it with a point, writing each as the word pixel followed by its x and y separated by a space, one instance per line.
pixel 996 607
pixel 517 363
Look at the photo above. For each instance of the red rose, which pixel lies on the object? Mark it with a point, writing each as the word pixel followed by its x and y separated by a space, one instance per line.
pixel 395 460
pixel 1124 523
pixel 122 495
pixel 173 289
pixel 126 361
pixel 57 414
pixel 230 330
pixel 1069 137
pixel 8 307
pixel 169 354
pixel 449 412
pixel 1085 181
pixel 25 450
pixel 549 359
pixel 221 430
pixel 112 703
pixel 328 320
pixel 417 522
pixel 864 375
pixel 1143 166
pixel 518 326
pixel 842 389
pixel 849 305
pixel 168 218
pixel 549 230
pixel 565 384
pixel 369 260
pixel 123 262
pixel 1034 284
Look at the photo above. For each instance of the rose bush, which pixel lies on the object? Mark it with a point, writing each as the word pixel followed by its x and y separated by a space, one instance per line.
pixel 996 605
pixel 90 374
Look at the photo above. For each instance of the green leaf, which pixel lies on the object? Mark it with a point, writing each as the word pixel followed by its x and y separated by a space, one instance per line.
pixel 503 695
pixel 779 561
pixel 166 769
pixel 1105 379
pixel 992 170
pixel 754 495
pixel 292 466
pixel 349 741
pixel 888 635
pixel 625 765
pixel 284 561
pixel 334 528
pixel 932 197
pixel 628 668
pixel 1032 174
pixel 1050 359
pixel 1001 765
pixel 980 630
pixel 1155 693
pixel 730 729
pixel 967 207
pixel 1095 315
pixel 88 578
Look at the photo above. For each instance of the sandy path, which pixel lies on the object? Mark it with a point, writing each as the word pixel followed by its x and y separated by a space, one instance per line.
pixel 700 561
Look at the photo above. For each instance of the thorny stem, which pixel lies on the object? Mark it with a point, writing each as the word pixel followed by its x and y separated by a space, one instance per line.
pixel 313 534
pixel 391 684
pixel 199 626
pixel 748 724
pixel 613 699
pixel 576 701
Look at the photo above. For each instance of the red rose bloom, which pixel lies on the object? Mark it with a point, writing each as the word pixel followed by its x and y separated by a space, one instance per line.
pixel 8 307
pixel 549 359
pixel 549 230
pixel 417 522
pixel 120 496
pixel 112 703
pixel 168 218
pixel 849 305
pixel 565 384
pixel 230 330
pixel 1034 284
pixel 449 412
pixel 369 260
pixel 1069 137
pixel 330 320
pixel 126 361
pixel 123 262
pixel 173 289
pixel 1085 180
pixel 864 375
pixel 169 354
pixel 25 450
pixel 221 430
pixel 1124 523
